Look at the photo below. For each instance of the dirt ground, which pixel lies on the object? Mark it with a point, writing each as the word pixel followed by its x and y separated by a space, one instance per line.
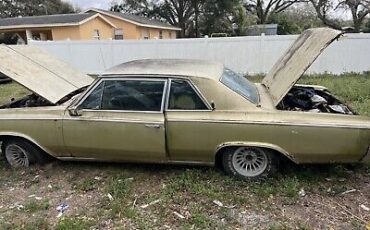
pixel 128 196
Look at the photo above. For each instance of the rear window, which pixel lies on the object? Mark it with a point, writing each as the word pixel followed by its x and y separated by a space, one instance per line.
pixel 240 85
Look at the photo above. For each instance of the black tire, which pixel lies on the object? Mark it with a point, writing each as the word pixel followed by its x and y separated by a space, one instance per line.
pixel 268 167
pixel 30 151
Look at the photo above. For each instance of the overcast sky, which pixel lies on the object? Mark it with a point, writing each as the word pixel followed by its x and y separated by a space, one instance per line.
pixel 84 4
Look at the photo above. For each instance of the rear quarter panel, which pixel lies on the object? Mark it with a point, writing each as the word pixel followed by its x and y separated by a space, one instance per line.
pixel 306 137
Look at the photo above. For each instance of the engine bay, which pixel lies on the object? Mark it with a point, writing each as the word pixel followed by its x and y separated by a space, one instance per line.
pixel 31 100
pixel 313 99
pixel 34 100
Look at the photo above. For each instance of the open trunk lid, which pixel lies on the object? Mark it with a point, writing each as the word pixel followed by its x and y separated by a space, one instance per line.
pixel 40 72
pixel 296 60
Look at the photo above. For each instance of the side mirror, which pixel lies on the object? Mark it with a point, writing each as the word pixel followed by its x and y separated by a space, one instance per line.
pixel 213 106
pixel 75 112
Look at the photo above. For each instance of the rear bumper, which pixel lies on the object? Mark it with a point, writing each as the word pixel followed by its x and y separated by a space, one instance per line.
pixel 366 157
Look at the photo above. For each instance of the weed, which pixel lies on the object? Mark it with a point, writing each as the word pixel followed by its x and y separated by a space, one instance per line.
pixel 118 187
pixel 88 184
pixel 73 223
pixel 35 206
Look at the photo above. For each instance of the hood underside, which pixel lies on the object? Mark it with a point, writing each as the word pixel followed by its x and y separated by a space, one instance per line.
pixel 296 60
pixel 40 72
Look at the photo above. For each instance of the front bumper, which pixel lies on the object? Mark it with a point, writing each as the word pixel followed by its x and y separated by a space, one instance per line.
pixel 366 158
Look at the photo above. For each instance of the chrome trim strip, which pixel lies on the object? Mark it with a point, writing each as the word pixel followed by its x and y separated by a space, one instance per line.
pixel 77 159
pixel 120 111
pixel 31 118
pixel 116 120
pixel 143 162
pixel 168 94
pixel 272 123
pixel 191 163
pixel 164 94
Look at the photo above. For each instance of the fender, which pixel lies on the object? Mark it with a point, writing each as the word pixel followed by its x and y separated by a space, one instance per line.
pixel 256 144
pixel 21 135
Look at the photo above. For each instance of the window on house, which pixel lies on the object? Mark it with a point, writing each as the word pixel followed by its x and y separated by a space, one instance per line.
pixel 170 34
pixel 96 34
pixel 160 34
pixel 118 34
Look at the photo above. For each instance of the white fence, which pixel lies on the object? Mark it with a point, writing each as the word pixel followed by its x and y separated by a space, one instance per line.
pixel 243 54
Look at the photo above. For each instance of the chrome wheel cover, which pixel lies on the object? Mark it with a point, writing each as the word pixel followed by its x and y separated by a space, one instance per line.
pixel 249 161
pixel 16 156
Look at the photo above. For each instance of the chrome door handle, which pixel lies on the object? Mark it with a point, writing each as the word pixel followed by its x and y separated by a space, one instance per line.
pixel 154 126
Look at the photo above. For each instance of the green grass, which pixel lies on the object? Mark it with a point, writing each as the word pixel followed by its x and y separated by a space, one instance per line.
pixel 35 206
pixel 11 90
pixel 69 223
pixel 87 184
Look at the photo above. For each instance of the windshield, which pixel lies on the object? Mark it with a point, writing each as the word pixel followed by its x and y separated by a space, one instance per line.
pixel 240 85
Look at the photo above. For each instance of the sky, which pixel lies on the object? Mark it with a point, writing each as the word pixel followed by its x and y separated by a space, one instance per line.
pixel 84 4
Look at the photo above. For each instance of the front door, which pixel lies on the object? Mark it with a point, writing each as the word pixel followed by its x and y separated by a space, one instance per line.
pixel 188 138
pixel 120 119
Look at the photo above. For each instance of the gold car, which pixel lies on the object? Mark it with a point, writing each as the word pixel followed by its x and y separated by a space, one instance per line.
pixel 179 112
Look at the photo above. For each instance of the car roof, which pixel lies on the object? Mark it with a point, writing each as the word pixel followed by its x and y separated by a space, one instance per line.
pixel 168 67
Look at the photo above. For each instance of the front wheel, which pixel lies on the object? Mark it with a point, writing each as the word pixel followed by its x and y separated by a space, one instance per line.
pixel 249 163
pixel 20 153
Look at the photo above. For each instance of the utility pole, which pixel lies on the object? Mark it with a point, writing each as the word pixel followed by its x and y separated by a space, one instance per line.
pixel 45 7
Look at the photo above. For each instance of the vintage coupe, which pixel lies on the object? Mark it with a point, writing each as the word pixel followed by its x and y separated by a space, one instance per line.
pixel 179 111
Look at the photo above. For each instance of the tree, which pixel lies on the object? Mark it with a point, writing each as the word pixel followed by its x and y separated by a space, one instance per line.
pixel 137 7
pixel 358 9
pixel 220 16
pixel 367 26
pixel 175 12
pixel 264 8
pixel 241 20
pixel 15 8
pixel 324 10
pixel 296 19
pixel 194 17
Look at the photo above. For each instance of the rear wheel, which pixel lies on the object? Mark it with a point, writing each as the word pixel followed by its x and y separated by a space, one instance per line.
pixel 249 163
pixel 21 154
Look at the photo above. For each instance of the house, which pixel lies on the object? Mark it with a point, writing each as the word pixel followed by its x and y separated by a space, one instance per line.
pixel 266 29
pixel 92 24
pixel 137 27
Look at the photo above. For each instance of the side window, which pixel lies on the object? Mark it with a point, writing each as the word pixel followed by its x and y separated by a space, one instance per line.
pixel 183 97
pixel 93 101
pixel 133 95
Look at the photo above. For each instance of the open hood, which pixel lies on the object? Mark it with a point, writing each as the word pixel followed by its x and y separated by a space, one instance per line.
pixel 296 60
pixel 40 72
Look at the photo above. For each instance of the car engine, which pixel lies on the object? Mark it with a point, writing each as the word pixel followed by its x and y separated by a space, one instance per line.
pixel 311 99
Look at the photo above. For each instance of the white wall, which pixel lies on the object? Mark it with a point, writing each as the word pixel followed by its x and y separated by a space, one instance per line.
pixel 251 55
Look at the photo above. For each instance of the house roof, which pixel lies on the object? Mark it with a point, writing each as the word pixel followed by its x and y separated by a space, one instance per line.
pixel 138 20
pixel 49 20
